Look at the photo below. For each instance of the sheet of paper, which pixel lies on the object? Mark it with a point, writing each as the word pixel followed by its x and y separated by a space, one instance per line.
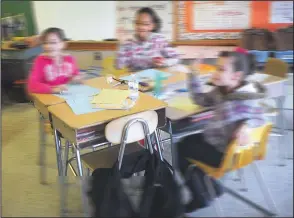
pixel 78 90
pixel 111 96
pixel 82 105
pixel 149 74
pixel 281 12
pixel 183 103
pixel 258 77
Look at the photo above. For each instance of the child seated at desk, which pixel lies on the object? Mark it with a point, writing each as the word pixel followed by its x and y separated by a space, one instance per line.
pixel 148 48
pixel 53 69
pixel 235 103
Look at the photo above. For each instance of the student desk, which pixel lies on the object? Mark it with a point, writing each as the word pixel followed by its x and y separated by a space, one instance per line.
pixel 43 101
pixel 65 122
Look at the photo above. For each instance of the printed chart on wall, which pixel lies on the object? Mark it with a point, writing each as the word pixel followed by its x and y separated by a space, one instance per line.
pixel 126 14
pixel 227 19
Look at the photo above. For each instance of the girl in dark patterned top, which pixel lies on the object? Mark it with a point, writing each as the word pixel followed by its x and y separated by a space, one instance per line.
pixel 235 103
pixel 148 48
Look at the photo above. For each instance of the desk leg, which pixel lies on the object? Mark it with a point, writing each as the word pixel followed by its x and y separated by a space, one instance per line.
pixel 282 149
pixel 173 146
pixel 58 153
pixel 42 147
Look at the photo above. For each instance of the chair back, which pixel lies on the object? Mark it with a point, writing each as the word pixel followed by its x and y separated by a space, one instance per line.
pixel 237 157
pixel 257 151
pixel 276 67
pixel 114 130
pixel 108 65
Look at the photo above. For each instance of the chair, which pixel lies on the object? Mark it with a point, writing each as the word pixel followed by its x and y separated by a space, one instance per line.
pixel 120 132
pixel 108 64
pixel 238 158
pixel 276 67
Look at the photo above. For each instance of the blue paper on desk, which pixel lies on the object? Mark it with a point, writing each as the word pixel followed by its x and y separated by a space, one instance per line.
pixel 149 74
pixel 78 90
pixel 82 105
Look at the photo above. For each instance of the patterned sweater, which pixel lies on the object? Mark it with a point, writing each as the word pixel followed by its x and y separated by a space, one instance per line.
pixel 137 55
pixel 239 106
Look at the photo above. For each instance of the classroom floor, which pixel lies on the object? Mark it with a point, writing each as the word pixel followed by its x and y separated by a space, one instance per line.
pixel 23 195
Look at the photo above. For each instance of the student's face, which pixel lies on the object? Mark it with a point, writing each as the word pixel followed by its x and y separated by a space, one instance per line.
pixel 225 74
pixel 53 44
pixel 143 25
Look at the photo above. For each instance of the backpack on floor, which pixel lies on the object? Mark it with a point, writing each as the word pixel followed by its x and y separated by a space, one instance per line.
pixel 118 193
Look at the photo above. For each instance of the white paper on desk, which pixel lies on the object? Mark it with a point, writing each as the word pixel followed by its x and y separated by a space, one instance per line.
pixel 257 77
pixel 82 106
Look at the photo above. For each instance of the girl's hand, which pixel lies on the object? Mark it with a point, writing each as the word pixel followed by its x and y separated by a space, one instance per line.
pixel 243 135
pixel 158 61
pixel 77 79
pixel 59 89
pixel 196 64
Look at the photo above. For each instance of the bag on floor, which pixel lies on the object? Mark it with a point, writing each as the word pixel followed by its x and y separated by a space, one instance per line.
pixel 195 182
pixel 118 193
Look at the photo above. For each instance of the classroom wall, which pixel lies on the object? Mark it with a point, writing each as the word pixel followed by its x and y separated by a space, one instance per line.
pixel 81 20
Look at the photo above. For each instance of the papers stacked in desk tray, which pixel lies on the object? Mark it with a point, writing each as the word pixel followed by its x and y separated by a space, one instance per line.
pixel 89 135
pixel 192 123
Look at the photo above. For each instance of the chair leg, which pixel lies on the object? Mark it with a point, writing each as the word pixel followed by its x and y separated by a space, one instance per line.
pixel 58 153
pixel 242 180
pixel 42 154
pixel 266 193
pixel 160 139
pixel 213 196
pixel 79 162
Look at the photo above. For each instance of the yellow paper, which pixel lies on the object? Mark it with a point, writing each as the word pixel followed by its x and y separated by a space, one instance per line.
pixel 184 103
pixel 111 96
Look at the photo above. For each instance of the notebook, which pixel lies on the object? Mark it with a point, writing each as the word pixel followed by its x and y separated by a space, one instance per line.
pixel 111 99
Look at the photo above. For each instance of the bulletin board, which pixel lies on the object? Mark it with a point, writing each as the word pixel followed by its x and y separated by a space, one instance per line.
pixel 221 22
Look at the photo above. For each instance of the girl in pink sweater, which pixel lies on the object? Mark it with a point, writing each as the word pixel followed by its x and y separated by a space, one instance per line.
pixel 53 69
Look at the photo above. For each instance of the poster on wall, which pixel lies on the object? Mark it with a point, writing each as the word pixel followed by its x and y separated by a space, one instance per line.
pixel 220 15
pixel 126 14
pixel 282 12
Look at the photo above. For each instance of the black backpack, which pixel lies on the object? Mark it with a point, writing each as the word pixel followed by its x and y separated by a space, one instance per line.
pixel 160 197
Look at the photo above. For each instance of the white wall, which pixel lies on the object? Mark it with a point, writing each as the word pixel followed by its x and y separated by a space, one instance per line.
pixel 81 20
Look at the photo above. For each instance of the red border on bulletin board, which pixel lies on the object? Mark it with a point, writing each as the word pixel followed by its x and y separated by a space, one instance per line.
pixel 260 14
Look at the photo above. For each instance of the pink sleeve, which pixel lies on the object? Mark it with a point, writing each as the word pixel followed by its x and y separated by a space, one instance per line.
pixel 35 82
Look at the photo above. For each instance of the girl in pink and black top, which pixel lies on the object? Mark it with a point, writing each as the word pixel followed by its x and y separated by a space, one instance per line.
pixel 148 48
pixel 53 69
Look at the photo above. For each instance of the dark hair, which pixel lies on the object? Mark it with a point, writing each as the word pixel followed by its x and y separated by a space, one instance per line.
pixel 155 18
pixel 242 62
pixel 59 32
